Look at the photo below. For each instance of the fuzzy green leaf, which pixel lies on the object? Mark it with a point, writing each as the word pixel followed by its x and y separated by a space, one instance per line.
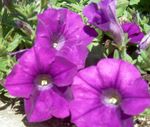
pixel 133 2
pixel 13 45
pixel 121 7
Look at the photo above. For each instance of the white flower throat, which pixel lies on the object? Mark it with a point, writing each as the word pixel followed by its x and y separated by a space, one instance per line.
pixel 58 42
pixel 43 80
pixel 111 97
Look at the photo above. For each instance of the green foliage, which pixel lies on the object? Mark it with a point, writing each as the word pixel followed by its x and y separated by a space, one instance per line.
pixel 133 2
pixel 144 22
pixel 143 61
pixel 121 7
pixel 116 54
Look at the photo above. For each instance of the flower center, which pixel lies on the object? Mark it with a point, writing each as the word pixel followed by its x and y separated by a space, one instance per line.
pixel 111 97
pixel 112 100
pixel 43 80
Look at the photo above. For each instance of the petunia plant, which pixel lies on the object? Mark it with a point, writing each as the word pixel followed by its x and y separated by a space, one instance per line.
pixel 85 62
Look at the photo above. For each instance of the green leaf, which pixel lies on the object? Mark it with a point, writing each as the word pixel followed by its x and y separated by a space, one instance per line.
pixel 68 1
pixel 1 77
pixel 95 1
pixel 128 58
pixel 90 46
pixel 121 7
pixel 13 45
pixel 1 87
pixel 52 2
pixel 146 28
pixel 6 23
pixel 125 56
pixel 134 2
pixel 1 5
pixel 116 54
pixel 44 3
pixel 143 60
pixel 3 65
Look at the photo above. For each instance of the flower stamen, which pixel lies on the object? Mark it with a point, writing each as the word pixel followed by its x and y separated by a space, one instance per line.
pixel 111 97
pixel 112 100
pixel 55 45
pixel 44 82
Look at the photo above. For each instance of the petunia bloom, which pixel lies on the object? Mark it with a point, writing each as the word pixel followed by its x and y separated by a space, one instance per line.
pixel 42 79
pixel 65 31
pixel 134 33
pixel 107 95
pixel 103 16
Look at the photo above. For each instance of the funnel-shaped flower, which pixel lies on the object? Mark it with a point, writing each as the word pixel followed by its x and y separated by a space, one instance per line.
pixel 42 79
pixel 134 33
pixel 107 95
pixel 103 16
pixel 65 31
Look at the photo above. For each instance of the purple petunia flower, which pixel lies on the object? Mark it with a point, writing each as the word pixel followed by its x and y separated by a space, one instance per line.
pixel 107 95
pixel 134 33
pixel 103 16
pixel 42 79
pixel 65 31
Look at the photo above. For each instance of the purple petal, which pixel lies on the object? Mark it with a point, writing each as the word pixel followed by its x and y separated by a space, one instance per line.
pixel 75 54
pixel 90 11
pixel 97 16
pixel 134 33
pixel 45 25
pixel 38 106
pixel 82 89
pixel 126 26
pixel 117 32
pixel 136 97
pixel 43 42
pixel 109 8
pixel 19 83
pixel 127 121
pixel 128 73
pixel 64 92
pixel 60 107
pixel 62 71
pixel 134 29
pixel 91 77
pixel 109 70
pixel 134 106
pixel 84 110
pixel 136 38
pixel 37 60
